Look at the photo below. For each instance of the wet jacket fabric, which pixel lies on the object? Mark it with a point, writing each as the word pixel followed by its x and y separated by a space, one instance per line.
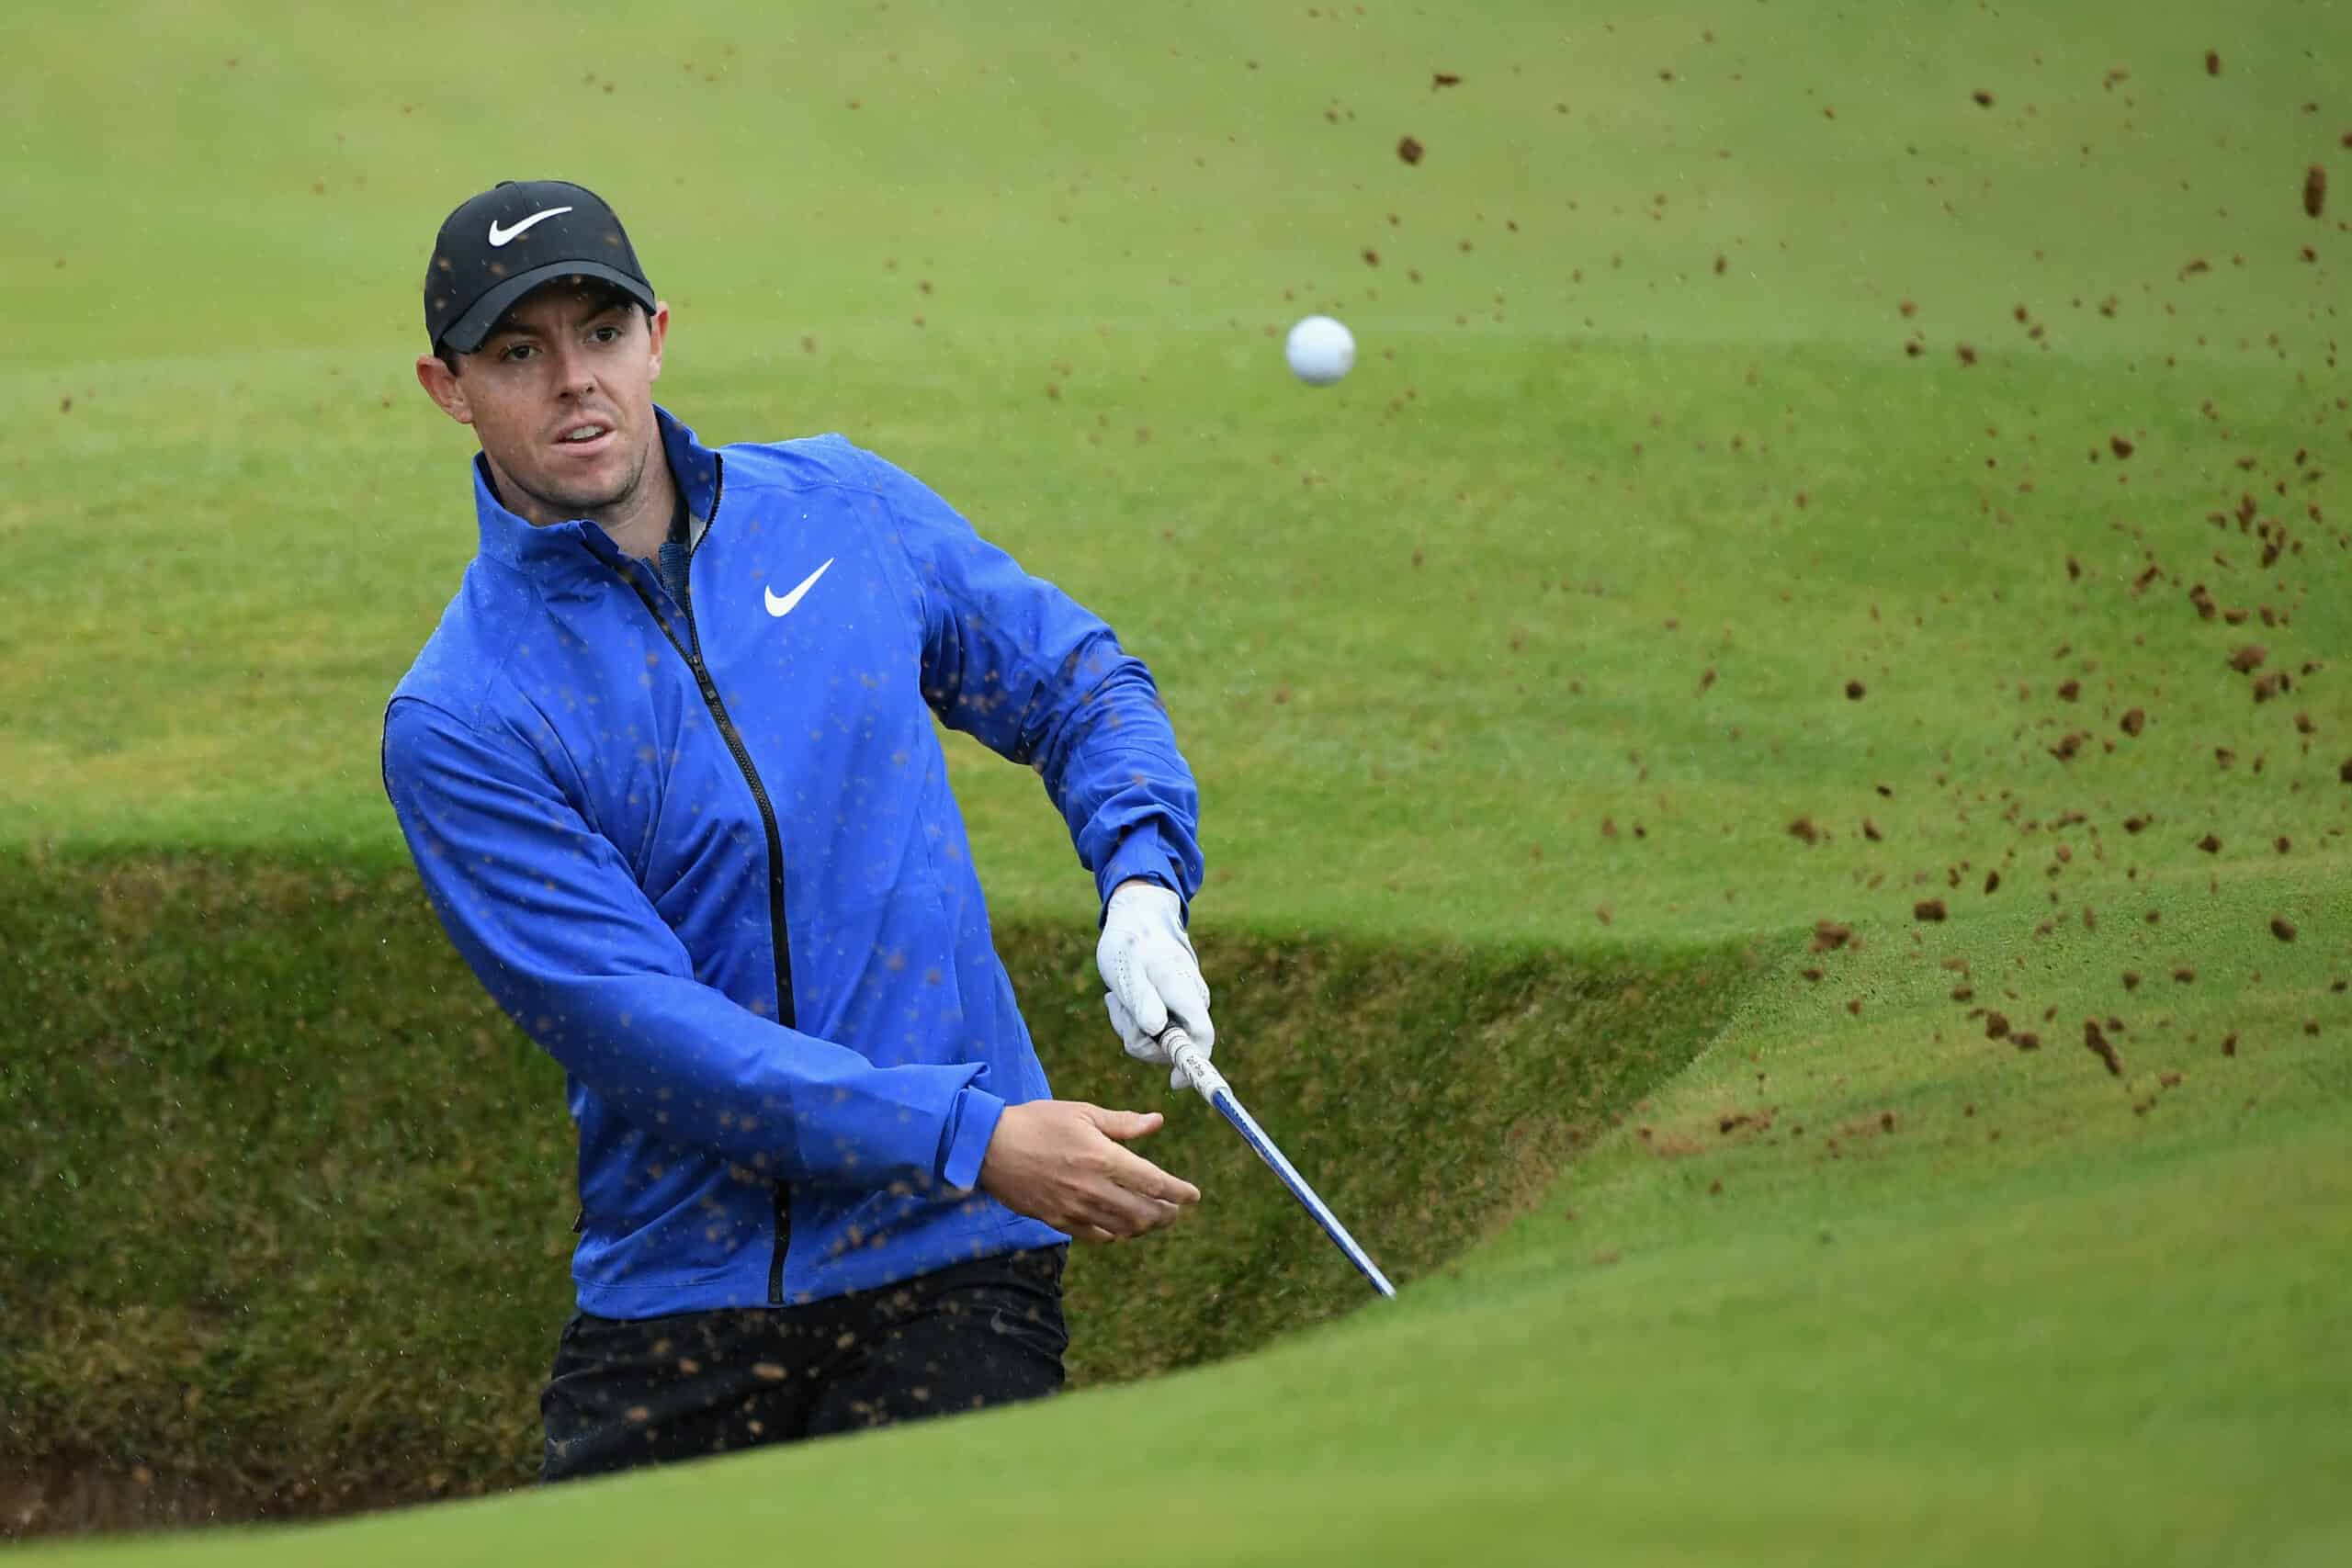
pixel 704 851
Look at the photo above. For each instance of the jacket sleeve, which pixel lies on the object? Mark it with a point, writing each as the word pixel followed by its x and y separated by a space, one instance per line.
pixel 550 919
pixel 1028 671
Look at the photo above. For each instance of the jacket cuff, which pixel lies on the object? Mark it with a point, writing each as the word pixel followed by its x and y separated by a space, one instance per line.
pixel 971 1125
pixel 1141 854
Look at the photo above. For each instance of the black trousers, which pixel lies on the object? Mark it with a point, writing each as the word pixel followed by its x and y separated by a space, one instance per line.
pixel 654 1391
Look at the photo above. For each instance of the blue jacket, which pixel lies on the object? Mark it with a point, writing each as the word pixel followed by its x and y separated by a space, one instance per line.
pixel 705 853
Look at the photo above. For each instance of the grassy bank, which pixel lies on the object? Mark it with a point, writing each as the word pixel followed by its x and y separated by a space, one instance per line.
pixel 296 1226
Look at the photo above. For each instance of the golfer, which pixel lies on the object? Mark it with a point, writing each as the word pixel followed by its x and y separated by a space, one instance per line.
pixel 668 770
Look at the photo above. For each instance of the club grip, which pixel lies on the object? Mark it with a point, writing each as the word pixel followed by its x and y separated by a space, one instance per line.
pixel 1194 1061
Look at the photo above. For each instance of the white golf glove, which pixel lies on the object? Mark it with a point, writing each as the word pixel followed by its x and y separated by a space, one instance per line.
pixel 1147 962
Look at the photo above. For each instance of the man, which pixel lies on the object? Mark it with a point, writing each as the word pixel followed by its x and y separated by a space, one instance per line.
pixel 668 771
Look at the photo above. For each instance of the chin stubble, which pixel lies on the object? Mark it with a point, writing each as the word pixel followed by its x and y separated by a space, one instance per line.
pixel 584 506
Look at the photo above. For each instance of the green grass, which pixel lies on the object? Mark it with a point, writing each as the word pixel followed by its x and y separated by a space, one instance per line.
pixel 1438 641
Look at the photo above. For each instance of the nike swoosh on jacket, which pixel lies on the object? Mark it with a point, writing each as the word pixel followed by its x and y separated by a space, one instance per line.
pixel 768 1112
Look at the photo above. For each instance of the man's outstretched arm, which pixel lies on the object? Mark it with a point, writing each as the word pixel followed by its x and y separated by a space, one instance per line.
pixel 1020 665
pixel 1033 675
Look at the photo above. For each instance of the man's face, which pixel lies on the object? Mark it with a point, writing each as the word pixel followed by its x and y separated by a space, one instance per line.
pixel 561 394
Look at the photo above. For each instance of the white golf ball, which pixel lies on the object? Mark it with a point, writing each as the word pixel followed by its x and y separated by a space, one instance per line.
pixel 1320 351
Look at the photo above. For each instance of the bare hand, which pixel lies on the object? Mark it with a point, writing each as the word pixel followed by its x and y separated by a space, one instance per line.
pixel 1059 1161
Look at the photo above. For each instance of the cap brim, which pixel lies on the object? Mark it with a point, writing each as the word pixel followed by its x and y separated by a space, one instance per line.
pixel 465 333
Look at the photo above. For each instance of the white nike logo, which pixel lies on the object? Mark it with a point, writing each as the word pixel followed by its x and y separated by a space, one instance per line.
pixel 782 604
pixel 498 236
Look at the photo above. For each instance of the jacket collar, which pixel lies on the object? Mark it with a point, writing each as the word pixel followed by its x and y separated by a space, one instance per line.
pixel 557 549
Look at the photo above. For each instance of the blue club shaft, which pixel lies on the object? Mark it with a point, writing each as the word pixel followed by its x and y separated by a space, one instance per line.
pixel 1218 1092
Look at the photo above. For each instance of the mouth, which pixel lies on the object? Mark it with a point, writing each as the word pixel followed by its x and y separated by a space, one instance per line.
pixel 585 438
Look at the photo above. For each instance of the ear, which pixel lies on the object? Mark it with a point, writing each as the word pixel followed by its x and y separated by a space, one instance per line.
pixel 443 387
pixel 657 328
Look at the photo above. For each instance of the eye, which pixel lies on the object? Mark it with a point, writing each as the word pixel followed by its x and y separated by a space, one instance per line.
pixel 512 352
pixel 607 334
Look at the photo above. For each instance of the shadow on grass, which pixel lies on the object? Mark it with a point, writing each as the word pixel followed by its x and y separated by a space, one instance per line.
pixel 290 1222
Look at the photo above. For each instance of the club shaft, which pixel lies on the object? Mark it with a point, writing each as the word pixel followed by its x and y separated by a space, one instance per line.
pixel 1219 1093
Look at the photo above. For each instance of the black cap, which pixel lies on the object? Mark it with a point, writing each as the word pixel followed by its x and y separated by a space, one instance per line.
pixel 509 240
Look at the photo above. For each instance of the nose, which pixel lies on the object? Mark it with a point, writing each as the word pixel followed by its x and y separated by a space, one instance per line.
pixel 575 371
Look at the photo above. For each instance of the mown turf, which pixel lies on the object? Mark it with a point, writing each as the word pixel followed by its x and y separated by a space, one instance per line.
pixel 1539 629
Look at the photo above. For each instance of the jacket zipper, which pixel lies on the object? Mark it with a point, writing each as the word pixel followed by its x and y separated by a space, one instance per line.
pixel 691 651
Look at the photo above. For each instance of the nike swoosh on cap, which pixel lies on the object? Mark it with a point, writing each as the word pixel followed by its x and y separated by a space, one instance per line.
pixel 498 236
pixel 781 604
